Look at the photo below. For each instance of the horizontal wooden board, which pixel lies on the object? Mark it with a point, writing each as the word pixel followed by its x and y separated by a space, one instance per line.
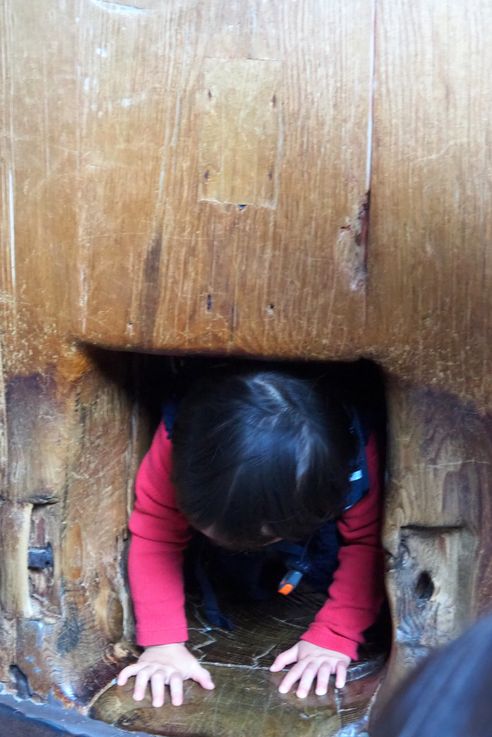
pixel 118 237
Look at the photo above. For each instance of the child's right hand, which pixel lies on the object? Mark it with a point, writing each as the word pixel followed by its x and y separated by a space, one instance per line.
pixel 165 665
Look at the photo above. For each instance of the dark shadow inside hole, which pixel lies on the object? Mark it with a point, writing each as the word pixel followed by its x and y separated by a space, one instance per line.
pixel 424 588
pixel 20 681
pixel 151 380
pixel 261 627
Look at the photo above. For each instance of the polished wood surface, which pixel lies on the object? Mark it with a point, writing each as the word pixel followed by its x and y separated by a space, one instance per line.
pixel 153 129
pixel 245 700
pixel 430 254
pixel 281 179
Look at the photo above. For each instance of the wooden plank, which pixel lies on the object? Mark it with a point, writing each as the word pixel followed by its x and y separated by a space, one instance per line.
pixel 432 589
pixel 262 268
pixel 114 241
pixel 109 238
pixel 37 180
pixel 225 711
pixel 430 263
pixel 36 439
pixel 245 702
pixel 73 449
pixel 3 431
pixel 67 645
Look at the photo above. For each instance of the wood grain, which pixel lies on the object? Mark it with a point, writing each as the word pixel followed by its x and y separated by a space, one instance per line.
pixel 438 517
pixel 111 236
pixel 229 708
pixel 72 458
pixel 37 184
pixel 239 132
pixel 14 536
pixel 239 662
pixel 114 242
pixel 430 258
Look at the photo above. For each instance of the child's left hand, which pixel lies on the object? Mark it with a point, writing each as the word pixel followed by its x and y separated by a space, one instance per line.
pixel 311 661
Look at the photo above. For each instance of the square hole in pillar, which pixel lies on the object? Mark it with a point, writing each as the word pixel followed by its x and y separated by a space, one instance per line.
pixel 227 423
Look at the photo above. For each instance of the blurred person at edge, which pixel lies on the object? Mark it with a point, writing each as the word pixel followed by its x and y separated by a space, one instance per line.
pixel 448 695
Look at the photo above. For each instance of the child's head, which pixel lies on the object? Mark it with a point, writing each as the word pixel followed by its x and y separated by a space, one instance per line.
pixel 260 455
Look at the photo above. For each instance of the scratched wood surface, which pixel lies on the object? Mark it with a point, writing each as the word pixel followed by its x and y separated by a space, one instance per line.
pixel 438 520
pixel 69 486
pixel 245 700
pixel 244 703
pixel 430 255
pixel 196 176
pixel 186 175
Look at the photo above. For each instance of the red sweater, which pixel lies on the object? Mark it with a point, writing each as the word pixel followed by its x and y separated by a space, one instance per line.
pixel 160 534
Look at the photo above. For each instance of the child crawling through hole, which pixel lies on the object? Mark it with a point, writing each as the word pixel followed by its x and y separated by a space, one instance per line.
pixel 262 461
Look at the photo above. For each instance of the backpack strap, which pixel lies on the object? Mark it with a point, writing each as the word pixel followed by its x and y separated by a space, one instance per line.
pixel 169 412
pixel 359 476
pixel 300 561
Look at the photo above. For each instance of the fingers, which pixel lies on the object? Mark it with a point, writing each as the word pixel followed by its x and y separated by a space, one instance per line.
pixel 341 675
pixel 176 688
pixel 157 688
pixel 158 677
pixel 158 680
pixel 204 678
pixel 292 676
pixel 307 678
pixel 323 679
pixel 286 658
pixel 141 680
pixel 306 671
pixel 127 673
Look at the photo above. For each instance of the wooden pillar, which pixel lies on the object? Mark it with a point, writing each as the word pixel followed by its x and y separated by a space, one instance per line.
pixel 438 519
pixel 70 459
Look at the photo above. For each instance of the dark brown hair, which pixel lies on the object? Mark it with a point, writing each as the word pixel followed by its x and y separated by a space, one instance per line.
pixel 260 455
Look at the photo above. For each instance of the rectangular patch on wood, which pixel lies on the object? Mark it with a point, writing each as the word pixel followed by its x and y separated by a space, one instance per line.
pixel 239 132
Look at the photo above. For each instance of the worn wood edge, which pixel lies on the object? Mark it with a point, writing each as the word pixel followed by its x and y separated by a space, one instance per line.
pixel 393 369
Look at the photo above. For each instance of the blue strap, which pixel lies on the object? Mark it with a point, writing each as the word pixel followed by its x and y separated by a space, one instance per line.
pixel 295 554
pixel 359 477
pixel 169 412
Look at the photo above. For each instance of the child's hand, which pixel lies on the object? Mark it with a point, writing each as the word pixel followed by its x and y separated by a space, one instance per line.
pixel 165 665
pixel 311 661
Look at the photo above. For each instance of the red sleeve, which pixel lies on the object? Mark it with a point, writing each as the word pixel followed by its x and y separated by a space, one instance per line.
pixel 357 591
pixel 155 564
